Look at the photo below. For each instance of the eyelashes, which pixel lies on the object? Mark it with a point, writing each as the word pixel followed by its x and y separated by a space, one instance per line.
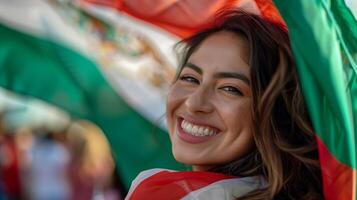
pixel 189 79
pixel 231 90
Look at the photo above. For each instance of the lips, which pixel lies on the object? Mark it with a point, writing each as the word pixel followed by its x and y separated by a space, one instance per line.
pixel 195 133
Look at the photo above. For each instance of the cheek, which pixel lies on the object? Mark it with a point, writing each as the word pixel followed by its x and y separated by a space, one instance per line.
pixel 238 140
pixel 174 100
pixel 237 118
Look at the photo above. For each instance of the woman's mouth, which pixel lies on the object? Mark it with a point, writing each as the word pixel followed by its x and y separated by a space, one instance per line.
pixel 197 130
pixel 194 133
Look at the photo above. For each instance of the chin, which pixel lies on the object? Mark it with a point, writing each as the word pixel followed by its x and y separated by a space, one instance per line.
pixel 183 158
pixel 196 163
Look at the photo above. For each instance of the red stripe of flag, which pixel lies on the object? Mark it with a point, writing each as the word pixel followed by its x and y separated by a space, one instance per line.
pixel 336 176
pixel 174 185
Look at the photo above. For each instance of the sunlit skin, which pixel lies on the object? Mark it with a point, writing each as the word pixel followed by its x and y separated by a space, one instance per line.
pixel 213 91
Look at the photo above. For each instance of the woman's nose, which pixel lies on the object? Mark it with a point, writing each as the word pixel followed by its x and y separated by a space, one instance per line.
pixel 200 100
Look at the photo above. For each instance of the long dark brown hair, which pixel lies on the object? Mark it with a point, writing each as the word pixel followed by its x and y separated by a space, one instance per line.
pixel 286 151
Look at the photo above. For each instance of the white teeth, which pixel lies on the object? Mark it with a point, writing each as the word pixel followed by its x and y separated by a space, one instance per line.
pixel 197 130
pixel 201 130
pixel 189 126
pixel 206 131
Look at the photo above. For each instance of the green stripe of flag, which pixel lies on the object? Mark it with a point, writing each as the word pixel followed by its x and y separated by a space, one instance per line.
pixel 347 23
pixel 48 71
pixel 326 70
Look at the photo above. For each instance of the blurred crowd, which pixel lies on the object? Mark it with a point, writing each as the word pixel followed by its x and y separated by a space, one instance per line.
pixel 72 163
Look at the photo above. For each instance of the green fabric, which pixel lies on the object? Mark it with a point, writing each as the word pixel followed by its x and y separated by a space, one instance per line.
pixel 48 71
pixel 324 44
pixel 345 19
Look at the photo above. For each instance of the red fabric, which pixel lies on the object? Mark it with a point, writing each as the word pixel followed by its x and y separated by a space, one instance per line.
pixel 269 11
pixel 174 185
pixel 339 180
pixel 181 17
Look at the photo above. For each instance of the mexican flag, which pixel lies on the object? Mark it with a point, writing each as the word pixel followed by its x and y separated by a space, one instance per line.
pixel 68 57
pixel 83 73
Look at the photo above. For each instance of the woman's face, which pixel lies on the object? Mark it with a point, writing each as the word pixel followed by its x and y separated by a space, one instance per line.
pixel 208 107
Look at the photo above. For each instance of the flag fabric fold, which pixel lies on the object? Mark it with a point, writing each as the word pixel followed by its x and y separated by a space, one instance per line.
pixel 182 17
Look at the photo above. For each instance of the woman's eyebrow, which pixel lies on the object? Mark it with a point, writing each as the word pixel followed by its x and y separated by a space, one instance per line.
pixel 194 67
pixel 236 75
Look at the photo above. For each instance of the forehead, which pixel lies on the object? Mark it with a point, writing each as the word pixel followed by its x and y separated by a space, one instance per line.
pixel 223 51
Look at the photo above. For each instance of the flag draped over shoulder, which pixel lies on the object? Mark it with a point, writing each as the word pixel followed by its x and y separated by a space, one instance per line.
pixel 324 41
pixel 159 183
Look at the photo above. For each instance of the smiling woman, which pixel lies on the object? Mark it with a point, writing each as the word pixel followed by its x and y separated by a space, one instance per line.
pixel 235 109
pixel 208 107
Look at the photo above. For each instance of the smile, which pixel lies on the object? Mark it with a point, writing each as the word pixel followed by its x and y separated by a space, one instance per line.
pixel 194 133
pixel 197 130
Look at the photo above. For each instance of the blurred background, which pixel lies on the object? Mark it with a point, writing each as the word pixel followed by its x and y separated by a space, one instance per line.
pixel 82 91
pixel 44 154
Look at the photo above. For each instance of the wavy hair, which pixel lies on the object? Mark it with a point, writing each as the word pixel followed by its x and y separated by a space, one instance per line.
pixel 286 150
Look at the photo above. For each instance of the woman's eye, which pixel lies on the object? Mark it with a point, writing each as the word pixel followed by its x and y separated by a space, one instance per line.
pixel 232 90
pixel 189 79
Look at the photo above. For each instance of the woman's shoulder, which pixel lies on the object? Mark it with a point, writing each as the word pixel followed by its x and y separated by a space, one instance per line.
pixel 159 183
